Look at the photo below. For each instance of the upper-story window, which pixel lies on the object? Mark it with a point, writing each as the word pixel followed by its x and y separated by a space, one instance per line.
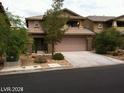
pixel 120 23
pixel 73 23
pixel 100 25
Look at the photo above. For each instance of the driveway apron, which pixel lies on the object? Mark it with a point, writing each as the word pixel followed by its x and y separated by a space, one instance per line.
pixel 89 59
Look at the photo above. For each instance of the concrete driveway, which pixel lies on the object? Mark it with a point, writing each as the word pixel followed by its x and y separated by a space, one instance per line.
pixel 89 59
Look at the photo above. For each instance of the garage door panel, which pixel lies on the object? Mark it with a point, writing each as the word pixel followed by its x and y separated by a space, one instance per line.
pixel 71 44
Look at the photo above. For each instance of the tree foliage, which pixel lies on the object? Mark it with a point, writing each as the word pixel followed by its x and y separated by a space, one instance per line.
pixel 107 40
pixel 12 40
pixel 53 24
pixel 4 32
pixel 15 20
pixel 16 43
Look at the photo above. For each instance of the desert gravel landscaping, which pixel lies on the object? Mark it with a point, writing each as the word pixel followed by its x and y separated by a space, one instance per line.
pixel 28 64
pixel 120 57
pixel 29 60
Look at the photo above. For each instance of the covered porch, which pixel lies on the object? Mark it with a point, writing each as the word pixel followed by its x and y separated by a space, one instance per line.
pixel 39 43
pixel 118 23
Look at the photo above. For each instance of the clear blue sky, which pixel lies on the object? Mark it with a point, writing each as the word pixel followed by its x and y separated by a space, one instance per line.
pixel 27 8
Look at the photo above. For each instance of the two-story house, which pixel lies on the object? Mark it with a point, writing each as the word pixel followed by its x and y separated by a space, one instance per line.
pixel 80 33
pixel 97 23
pixel 77 38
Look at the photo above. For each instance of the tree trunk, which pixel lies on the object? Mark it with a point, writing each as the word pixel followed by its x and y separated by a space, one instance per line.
pixel 53 48
pixel 1 59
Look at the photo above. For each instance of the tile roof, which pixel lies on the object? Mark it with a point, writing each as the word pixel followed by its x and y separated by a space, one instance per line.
pixel 40 17
pixel 100 18
pixel 92 18
pixel 70 31
pixel 79 31
pixel 75 14
pixel 119 17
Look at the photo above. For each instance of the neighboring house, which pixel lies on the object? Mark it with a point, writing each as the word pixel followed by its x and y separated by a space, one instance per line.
pixel 100 23
pixel 97 23
pixel 80 33
pixel 118 23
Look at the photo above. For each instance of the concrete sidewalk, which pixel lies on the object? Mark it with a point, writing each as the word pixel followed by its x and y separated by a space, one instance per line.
pixel 30 69
pixel 18 68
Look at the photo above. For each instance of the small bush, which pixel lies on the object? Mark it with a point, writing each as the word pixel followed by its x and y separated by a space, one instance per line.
pixel 58 56
pixel 115 54
pixel 118 52
pixel 40 59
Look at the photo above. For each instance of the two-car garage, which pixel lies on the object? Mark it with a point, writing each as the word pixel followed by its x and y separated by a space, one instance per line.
pixel 72 43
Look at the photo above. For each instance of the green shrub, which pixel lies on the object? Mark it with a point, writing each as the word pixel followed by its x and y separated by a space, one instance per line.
pixel 107 40
pixel 58 56
pixel 40 59
pixel 12 55
pixel 122 44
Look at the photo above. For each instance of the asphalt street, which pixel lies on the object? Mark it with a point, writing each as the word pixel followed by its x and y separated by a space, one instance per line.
pixel 107 79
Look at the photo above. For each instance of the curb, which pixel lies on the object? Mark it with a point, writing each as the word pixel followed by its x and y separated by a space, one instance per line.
pixel 34 70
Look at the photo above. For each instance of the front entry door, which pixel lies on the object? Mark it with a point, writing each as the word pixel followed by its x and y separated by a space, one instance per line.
pixel 39 44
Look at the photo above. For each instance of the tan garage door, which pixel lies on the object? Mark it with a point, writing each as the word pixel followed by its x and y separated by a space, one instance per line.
pixel 71 44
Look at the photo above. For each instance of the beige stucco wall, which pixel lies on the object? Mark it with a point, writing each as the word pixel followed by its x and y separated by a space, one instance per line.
pixel 89 43
pixel 95 27
pixel 81 24
pixel 33 28
pixel 88 24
